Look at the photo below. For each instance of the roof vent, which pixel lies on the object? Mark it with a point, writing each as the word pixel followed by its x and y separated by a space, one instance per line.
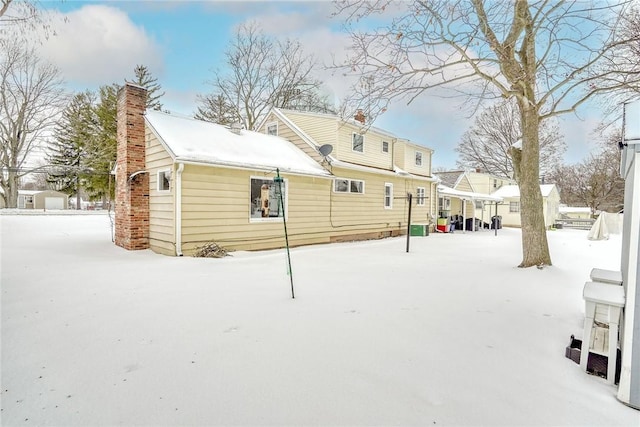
pixel 235 128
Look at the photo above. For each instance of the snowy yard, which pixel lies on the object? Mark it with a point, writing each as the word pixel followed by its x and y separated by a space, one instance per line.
pixel 450 334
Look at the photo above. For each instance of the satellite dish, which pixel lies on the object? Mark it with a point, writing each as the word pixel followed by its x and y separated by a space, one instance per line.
pixel 325 149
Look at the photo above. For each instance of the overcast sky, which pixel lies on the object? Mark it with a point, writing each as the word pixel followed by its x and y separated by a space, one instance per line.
pixel 181 42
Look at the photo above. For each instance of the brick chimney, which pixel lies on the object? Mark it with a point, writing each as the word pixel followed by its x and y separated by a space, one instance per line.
pixel 132 189
pixel 359 116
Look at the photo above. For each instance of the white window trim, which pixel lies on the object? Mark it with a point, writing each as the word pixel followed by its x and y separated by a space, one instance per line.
pixel 421 158
pixel 388 185
pixel 159 180
pixel 352 141
pixel 285 183
pixel 517 205
pixel 419 200
pixel 266 128
pixel 385 142
pixel 348 186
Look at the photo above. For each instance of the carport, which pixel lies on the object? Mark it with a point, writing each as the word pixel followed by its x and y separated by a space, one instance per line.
pixel 465 196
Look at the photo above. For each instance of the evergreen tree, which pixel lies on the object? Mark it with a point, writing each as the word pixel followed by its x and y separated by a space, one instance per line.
pixel 102 149
pixel 216 109
pixel 68 152
pixel 146 80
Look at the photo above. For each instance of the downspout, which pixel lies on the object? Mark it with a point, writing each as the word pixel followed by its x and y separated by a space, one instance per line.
pixel 393 152
pixel 178 214
pixel 431 214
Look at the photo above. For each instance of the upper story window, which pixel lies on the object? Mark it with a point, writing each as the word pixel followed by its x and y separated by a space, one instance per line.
pixel 164 180
pixel 348 186
pixel 385 147
pixel 357 143
pixel 495 183
pixel 418 158
pixel 272 129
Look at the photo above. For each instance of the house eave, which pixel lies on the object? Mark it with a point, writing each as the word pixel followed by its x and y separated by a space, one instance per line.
pixel 250 167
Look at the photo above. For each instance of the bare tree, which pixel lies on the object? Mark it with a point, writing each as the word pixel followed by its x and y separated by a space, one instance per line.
pixel 18 15
pixel 30 99
pixel 217 109
pixel 550 57
pixel 486 145
pixel 596 181
pixel 262 73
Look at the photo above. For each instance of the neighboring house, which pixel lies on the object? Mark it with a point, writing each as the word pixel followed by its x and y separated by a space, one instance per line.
pixel 464 198
pixel 45 199
pixel 510 208
pixel 486 183
pixel 575 212
pixel 182 183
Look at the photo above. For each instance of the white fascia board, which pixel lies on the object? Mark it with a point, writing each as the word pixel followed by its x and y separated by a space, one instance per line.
pixel 247 167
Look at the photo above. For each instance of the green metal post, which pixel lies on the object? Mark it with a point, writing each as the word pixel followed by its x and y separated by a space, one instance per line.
pixel 279 180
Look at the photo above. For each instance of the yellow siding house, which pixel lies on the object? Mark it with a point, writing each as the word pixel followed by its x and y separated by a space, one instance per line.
pixel 183 183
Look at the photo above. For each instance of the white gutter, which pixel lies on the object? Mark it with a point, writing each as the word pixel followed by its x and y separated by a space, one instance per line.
pixel 178 215
pixel 256 168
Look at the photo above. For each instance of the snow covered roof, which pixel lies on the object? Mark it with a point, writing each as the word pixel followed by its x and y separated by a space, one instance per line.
pixel 450 178
pixel 197 141
pixel 507 191
pixel 574 209
pixel 467 195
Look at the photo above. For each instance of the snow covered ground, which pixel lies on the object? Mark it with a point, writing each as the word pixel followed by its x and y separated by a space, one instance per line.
pixel 451 333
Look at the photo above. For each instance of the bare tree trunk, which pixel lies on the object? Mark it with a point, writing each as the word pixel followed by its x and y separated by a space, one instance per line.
pixel 535 248
pixel 11 192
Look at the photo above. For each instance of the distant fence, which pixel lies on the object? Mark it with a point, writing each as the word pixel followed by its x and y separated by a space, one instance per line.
pixel 578 223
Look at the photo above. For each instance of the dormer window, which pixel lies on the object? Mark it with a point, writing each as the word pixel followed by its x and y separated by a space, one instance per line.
pixel 385 147
pixel 418 158
pixel 357 143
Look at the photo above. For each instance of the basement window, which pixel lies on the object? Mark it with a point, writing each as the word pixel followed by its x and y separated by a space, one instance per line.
pixel 265 199
pixel 164 180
